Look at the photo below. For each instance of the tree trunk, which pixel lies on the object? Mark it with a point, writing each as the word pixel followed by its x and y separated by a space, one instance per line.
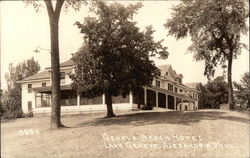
pixel 54 15
pixel 108 99
pixel 230 86
pixel 55 76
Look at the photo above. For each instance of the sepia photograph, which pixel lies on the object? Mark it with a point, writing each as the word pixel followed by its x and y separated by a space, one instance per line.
pixel 124 79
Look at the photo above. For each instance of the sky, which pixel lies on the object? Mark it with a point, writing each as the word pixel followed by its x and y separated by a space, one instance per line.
pixel 22 29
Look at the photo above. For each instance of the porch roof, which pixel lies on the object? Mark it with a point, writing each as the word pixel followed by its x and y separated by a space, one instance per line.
pixel 48 88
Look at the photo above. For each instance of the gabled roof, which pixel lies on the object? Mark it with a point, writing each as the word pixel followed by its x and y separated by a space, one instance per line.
pixel 40 75
pixel 46 74
pixel 65 64
pixel 193 85
pixel 164 67
pixel 167 68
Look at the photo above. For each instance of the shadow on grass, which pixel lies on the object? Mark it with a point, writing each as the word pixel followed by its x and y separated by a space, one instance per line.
pixel 168 117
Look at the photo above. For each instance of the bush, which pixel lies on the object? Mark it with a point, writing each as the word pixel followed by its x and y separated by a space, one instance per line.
pixel 30 114
pixel 13 114
pixel 243 107
pixel 148 107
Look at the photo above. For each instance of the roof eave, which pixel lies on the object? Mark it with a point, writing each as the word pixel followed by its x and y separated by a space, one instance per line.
pixel 36 80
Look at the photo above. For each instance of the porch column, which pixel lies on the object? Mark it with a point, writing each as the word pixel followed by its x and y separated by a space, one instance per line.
pixel 35 102
pixel 78 99
pixel 196 105
pixel 145 96
pixel 189 108
pixel 175 103
pixel 103 99
pixel 131 99
pixel 166 101
pixel 157 102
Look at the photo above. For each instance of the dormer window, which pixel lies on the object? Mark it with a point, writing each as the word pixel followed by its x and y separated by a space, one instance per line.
pixel 157 83
pixel 180 80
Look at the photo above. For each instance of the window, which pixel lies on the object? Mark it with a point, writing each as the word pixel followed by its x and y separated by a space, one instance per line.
pixel 158 83
pixel 151 82
pixel 43 84
pixel 29 106
pixel 180 90
pixel 176 89
pixel 120 99
pixel 170 87
pixel 167 73
pixel 62 77
pixel 42 100
pixel 29 88
pixel 180 80
pixel 68 98
pixel 90 101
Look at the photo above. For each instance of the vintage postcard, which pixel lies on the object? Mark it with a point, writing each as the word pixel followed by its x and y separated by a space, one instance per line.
pixel 125 79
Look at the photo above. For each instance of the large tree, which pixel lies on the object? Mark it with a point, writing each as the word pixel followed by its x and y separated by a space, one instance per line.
pixel 12 97
pixel 215 28
pixel 242 90
pixel 114 58
pixel 214 93
pixel 54 15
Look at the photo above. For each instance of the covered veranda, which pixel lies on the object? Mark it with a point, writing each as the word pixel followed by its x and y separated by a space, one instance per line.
pixel 162 98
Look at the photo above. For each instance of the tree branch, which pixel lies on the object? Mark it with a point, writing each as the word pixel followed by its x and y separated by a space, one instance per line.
pixel 49 7
pixel 59 4
pixel 218 41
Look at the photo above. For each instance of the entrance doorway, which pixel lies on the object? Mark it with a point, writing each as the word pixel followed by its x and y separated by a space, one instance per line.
pixel 170 102
pixel 161 100
pixel 151 98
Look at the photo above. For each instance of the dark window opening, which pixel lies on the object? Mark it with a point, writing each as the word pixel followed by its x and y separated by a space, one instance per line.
pixel 68 98
pixel 158 83
pixel 43 84
pixel 29 88
pixel 151 98
pixel 90 101
pixel 170 87
pixel 62 77
pixel 176 89
pixel 120 99
pixel 29 106
pixel 43 100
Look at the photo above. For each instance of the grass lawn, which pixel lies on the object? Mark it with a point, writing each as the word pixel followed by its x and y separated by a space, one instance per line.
pixel 160 134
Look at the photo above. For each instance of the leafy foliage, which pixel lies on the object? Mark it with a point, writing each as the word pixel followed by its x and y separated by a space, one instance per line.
pixel 215 28
pixel 75 4
pixel 214 93
pixel 242 90
pixel 12 97
pixel 54 11
pixel 114 58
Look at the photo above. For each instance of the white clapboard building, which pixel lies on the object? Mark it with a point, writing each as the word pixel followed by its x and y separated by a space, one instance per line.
pixel 167 91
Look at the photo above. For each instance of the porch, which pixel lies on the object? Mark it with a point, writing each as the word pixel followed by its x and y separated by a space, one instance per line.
pixel 162 98
pixel 71 102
